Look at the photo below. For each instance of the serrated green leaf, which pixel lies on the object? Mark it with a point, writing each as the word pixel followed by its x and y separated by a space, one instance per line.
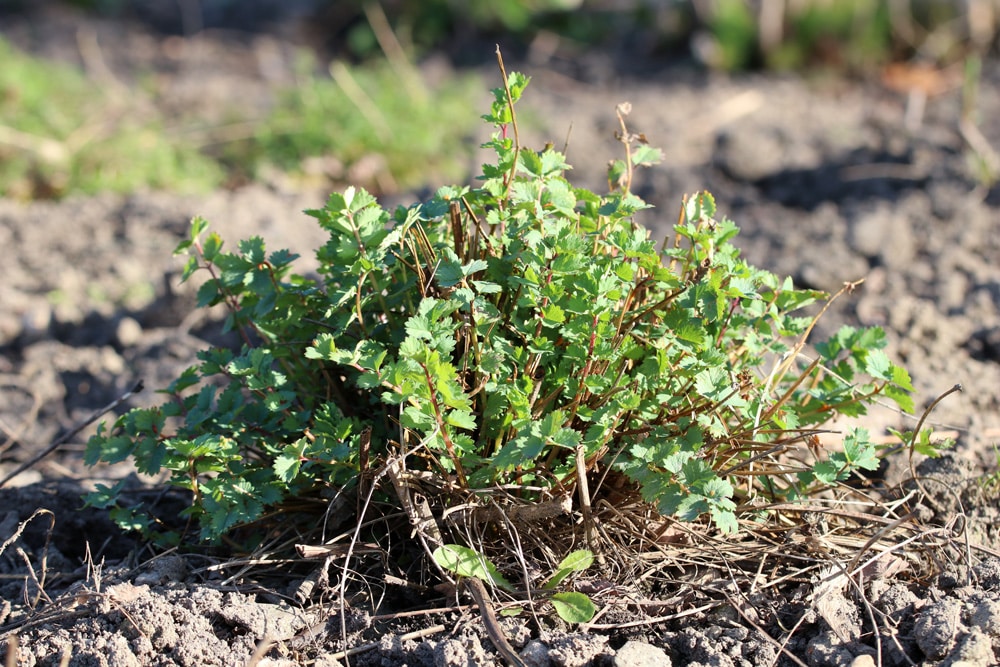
pixel 574 607
pixel 566 438
pixel 877 365
pixel 475 266
pixel 280 259
pixel 419 418
pixel 927 447
pixel 553 314
pixel 325 348
pixel 104 496
pixel 208 293
pixel 486 287
pixel 110 450
pixel 725 520
pixel 211 247
pixel 517 82
pixel 859 451
pixel 461 419
pixel 286 467
pixel 713 383
pixel 625 271
pixel 901 378
pixel 128 519
pixel 700 207
pixel 553 162
pixel 900 397
pixel 530 162
pixel 198 227
pixel 520 451
pixel 617 171
pixel 827 472
pixel 190 266
pixel 253 251
pixel 717 489
pixel 645 155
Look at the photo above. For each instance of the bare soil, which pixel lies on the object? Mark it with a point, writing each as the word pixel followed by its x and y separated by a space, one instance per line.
pixel 830 181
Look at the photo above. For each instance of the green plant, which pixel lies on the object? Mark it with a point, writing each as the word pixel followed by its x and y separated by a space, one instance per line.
pixel 991 481
pixel 981 156
pixel 842 34
pixel 434 24
pixel 60 133
pixel 523 334
pixel 735 39
pixel 845 33
pixel 571 606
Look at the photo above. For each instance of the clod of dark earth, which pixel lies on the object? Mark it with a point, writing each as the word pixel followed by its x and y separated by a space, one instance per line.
pixel 827 186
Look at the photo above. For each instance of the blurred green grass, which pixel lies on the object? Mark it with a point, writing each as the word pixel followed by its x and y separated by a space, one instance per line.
pixel 377 123
pixel 60 133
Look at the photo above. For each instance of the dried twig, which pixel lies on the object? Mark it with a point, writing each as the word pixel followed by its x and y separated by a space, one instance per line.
pixel 493 629
pixel 63 439
pixel 24 524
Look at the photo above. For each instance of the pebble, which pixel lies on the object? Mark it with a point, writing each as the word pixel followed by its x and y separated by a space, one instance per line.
pixel 128 332
pixel 640 654
pixel 740 154
pixel 535 654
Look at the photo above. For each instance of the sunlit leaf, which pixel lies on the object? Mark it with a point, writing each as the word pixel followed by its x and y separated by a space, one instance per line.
pixel 574 607
pixel 466 562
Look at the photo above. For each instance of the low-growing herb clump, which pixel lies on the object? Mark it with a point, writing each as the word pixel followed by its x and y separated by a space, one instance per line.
pixel 523 343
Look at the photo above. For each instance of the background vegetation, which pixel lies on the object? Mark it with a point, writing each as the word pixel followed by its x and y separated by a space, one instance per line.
pixel 60 133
